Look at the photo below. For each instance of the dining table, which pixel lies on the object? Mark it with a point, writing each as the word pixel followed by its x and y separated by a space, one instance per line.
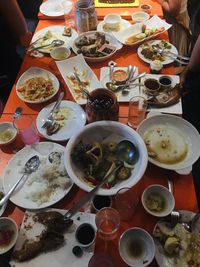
pixel 184 190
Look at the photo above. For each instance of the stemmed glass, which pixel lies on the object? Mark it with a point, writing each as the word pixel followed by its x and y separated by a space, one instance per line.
pixel 67 6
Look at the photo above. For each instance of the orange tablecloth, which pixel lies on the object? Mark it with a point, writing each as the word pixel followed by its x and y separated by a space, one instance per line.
pixel 123 11
pixel 153 174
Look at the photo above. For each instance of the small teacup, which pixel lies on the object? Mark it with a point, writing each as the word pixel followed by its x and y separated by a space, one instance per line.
pixel 85 235
pixel 152 86
pixel 165 82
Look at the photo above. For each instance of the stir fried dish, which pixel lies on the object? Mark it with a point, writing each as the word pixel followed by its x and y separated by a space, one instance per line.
pixel 150 50
pixel 96 160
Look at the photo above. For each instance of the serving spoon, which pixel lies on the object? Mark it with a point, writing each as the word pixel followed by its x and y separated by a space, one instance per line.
pixel 31 166
pixel 126 152
pixel 54 43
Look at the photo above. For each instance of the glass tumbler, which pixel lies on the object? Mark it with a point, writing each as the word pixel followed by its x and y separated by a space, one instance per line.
pixel 102 105
pixel 137 111
pixel 26 129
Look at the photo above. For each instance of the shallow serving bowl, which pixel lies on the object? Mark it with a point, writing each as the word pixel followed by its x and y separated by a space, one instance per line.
pixel 8 133
pixel 186 131
pixel 111 131
pixel 165 197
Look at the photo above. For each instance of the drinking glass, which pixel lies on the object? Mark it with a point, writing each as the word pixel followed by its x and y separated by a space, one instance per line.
pixel 107 222
pixel 67 6
pixel 137 111
pixel 26 129
pixel 126 202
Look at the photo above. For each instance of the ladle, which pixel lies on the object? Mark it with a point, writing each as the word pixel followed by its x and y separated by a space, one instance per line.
pixel 31 166
pixel 127 153
pixel 116 88
pixel 54 43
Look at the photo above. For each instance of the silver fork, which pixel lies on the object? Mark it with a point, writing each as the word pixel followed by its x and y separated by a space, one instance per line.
pixel 50 118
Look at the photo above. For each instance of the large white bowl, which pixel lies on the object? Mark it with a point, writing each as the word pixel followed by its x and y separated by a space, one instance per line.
pixel 186 129
pixel 98 131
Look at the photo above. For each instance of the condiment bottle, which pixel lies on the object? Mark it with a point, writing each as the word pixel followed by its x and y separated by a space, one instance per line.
pixel 156 67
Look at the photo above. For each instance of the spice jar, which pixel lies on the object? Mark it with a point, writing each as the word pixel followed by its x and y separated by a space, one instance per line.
pixel 85 16
pixel 102 105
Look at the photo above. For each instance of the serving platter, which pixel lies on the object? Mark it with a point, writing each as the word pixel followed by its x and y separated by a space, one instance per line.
pixel 36 192
pixel 72 124
pixel 54 33
pixel 155 24
pixel 61 257
pixel 39 95
pixel 110 39
pixel 161 257
pixel 78 64
pixel 165 60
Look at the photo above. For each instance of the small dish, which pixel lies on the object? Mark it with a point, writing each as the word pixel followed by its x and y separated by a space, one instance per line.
pixel 146 8
pixel 60 53
pixel 140 16
pixel 165 82
pixel 136 247
pixel 158 201
pixel 8 133
pixel 112 21
pixel 120 76
pixel 152 86
pixel 8 233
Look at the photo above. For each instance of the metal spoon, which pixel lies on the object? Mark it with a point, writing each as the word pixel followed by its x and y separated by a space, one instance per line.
pixel 17 113
pixel 31 165
pixel 116 88
pixel 130 156
pixel 54 43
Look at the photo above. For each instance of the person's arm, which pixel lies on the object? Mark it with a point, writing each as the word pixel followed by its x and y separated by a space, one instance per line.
pixel 171 7
pixel 14 19
pixel 194 63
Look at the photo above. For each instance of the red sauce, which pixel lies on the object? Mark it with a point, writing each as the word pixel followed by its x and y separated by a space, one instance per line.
pixel 120 75
pixel 6 235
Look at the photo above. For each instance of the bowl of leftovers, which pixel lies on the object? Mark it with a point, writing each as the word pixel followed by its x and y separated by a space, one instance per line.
pixel 172 142
pixel 136 247
pixel 8 133
pixel 60 53
pixel 140 16
pixel 90 155
pixel 158 201
pixel 8 234
pixel 112 21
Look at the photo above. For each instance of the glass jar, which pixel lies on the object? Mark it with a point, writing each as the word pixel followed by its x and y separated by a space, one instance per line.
pixel 85 16
pixel 102 105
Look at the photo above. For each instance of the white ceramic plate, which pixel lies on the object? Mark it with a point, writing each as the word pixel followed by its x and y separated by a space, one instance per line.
pixel 2 209
pixel 182 127
pixel 167 60
pixel 105 77
pixel 73 124
pixel 37 72
pixel 154 22
pixel 51 8
pixel 123 25
pixel 14 171
pixel 61 257
pixel 67 67
pixel 56 32
pixel 160 255
pixel 109 37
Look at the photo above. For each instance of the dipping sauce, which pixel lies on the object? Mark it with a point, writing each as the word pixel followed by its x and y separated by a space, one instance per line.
pixel 6 236
pixel 6 135
pixel 85 234
pixel 100 202
pixel 166 82
pixel 146 8
pixel 120 76
pixel 152 86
